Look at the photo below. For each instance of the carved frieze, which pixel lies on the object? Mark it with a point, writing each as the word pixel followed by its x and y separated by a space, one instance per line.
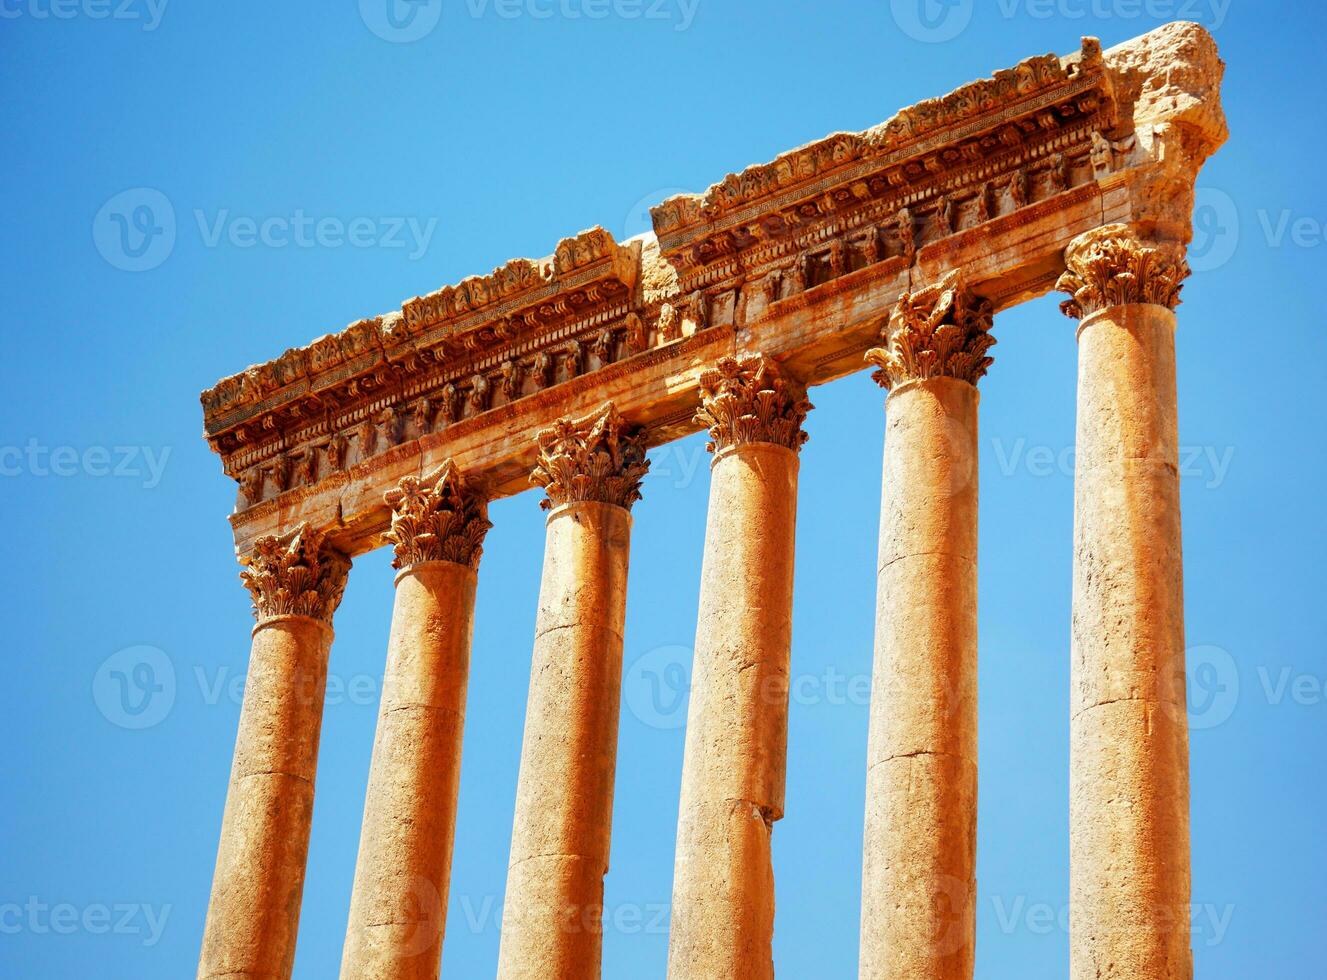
pixel 744 400
pixel 295 575
pixel 809 233
pixel 940 331
pixel 437 518
pixel 600 457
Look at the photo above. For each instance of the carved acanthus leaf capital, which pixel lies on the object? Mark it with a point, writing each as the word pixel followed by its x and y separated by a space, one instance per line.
pixel 942 331
pixel 743 400
pixel 437 518
pixel 600 457
pixel 1111 265
pixel 295 574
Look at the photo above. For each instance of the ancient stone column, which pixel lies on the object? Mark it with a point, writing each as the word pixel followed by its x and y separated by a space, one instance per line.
pixel 591 469
pixel 296 583
pixel 737 721
pixel 1129 771
pixel 398 909
pixel 919 856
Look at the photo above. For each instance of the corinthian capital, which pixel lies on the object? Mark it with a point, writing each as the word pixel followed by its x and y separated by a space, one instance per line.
pixel 743 400
pixel 1110 266
pixel 942 331
pixel 600 457
pixel 437 518
pixel 295 574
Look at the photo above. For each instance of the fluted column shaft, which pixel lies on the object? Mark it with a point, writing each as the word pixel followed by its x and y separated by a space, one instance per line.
pixel 737 722
pixel 398 908
pixel 253 915
pixel 919 854
pixel 552 920
pixel 1129 778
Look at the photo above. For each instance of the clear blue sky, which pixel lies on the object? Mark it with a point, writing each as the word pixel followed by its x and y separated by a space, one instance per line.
pixel 502 134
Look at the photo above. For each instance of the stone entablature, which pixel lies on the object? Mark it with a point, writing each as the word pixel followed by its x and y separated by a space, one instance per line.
pixel 801 259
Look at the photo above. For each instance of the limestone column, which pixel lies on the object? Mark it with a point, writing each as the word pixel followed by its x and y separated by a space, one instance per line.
pixel 1129 770
pixel 919 855
pixel 252 920
pixel 737 721
pixel 591 470
pixel 398 909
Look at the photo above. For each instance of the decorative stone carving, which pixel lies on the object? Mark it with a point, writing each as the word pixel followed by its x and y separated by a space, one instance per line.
pixel 838 262
pixel 306 467
pixel 604 346
pixel 251 484
pixel 906 232
pixel 513 377
pixel 542 369
pixel 744 400
pixel 600 457
pixel 1110 266
pixel 574 357
pixel 945 215
pixel 1018 188
pixel 423 417
pixel 774 226
pixel 450 409
pixel 295 574
pixel 1103 155
pixel 481 394
pixel 871 246
pixel 437 518
pixel 940 331
pixel 637 338
pixel 670 324
pixel 368 438
pixel 338 448
pixel 280 473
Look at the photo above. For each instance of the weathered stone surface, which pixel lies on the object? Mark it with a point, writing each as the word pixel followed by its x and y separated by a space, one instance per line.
pixel 951 210
pixel 919 855
pixel 737 720
pixel 799 258
pixel 398 909
pixel 552 922
pixel 253 916
pixel 1129 782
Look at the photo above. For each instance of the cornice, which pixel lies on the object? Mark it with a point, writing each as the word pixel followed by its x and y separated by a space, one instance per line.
pixel 801 259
